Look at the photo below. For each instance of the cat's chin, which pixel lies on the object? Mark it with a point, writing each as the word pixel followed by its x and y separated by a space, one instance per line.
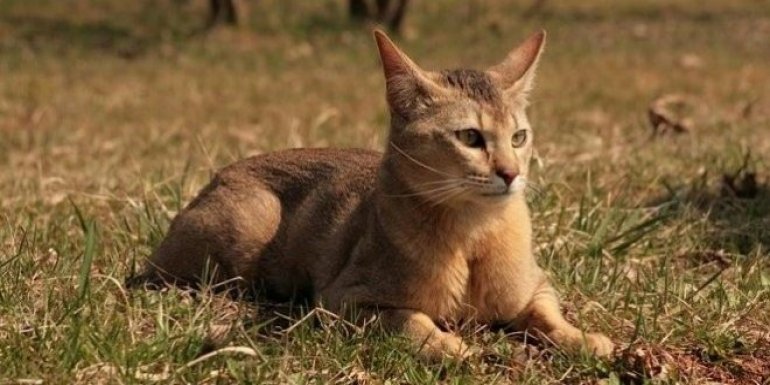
pixel 496 198
pixel 503 194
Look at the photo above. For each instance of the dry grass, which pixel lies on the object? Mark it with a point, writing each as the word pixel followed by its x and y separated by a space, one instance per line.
pixel 113 114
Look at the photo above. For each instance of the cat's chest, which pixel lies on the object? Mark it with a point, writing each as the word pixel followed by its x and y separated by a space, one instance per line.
pixel 486 286
pixel 441 291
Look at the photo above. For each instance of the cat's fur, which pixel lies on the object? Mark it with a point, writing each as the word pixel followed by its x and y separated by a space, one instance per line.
pixel 429 231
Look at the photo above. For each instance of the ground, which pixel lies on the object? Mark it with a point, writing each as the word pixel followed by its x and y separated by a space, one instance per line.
pixel 114 113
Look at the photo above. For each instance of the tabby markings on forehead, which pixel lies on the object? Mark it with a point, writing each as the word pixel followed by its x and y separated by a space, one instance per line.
pixel 475 84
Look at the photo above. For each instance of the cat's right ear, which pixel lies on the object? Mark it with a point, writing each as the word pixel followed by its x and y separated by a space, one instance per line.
pixel 409 88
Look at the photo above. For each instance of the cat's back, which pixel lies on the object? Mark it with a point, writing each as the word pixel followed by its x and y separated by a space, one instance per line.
pixel 259 209
pixel 292 174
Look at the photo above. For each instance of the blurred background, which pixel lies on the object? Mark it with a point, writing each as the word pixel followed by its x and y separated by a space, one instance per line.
pixel 651 118
pixel 102 97
pixel 113 85
pixel 124 82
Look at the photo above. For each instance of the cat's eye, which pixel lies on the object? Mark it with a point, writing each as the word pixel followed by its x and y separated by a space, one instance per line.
pixel 519 138
pixel 470 137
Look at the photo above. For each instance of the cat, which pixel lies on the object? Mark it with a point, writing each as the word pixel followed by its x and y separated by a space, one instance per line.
pixel 435 229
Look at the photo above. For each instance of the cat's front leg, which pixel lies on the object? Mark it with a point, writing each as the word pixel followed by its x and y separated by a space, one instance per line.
pixel 431 343
pixel 543 314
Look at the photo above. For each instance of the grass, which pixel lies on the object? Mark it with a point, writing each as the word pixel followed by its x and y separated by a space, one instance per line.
pixel 113 114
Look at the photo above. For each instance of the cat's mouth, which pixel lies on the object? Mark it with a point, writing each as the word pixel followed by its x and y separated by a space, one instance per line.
pixel 500 194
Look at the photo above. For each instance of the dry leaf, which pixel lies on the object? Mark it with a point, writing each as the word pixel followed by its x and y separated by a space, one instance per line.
pixel 667 114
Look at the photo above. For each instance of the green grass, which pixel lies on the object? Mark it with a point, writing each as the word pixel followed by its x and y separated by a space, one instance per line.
pixel 113 114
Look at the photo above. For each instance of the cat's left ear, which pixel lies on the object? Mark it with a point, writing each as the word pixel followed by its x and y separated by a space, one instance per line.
pixel 516 74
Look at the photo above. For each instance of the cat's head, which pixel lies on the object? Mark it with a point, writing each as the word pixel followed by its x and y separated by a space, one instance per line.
pixel 460 136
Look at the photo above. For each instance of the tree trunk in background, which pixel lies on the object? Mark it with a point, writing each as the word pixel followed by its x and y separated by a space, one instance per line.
pixel 388 12
pixel 358 9
pixel 382 11
pixel 397 16
pixel 222 11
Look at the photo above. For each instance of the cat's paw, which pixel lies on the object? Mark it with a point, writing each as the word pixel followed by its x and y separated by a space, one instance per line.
pixel 573 339
pixel 599 344
pixel 446 345
pixel 454 347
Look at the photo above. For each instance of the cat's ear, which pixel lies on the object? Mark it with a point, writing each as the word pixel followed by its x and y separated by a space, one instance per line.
pixel 516 74
pixel 409 88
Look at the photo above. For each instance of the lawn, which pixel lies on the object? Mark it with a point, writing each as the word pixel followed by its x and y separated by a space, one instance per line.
pixel 114 113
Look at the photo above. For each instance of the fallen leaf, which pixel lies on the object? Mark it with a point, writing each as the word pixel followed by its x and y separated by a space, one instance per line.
pixel 668 114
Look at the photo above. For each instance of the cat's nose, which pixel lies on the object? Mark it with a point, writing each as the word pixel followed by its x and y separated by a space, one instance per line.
pixel 507 175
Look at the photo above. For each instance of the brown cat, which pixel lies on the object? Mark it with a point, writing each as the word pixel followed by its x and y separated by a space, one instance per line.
pixel 434 229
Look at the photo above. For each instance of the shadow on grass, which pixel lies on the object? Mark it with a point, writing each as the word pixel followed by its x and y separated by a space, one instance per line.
pixel 736 206
pixel 642 12
pixel 100 36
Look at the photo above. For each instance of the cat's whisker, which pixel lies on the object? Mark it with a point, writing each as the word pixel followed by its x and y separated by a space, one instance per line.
pixel 442 181
pixel 476 183
pixel 441 194
pixel 423 192
pixel 437 196
pixel 448 198
pixel 417 162
pixel 450 195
